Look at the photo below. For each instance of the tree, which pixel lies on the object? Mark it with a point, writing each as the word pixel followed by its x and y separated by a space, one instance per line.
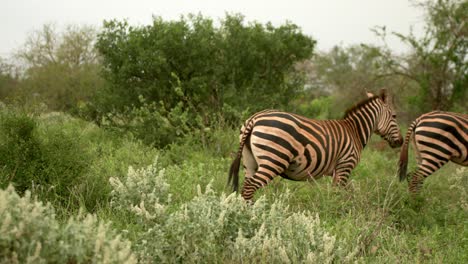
pixel 61 68
pixel 206 68
pixel 438 60
pixel 8 80
pixel 346 74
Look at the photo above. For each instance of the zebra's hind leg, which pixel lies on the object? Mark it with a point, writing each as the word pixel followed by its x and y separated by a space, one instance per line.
pixel 251 184
pixel 341 175
pixel 425 168
pixel 415 181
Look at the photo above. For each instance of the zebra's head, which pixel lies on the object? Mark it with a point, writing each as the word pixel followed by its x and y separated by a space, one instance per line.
pixel 387 126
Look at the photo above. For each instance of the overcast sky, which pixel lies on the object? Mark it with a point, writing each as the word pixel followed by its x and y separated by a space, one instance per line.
pixel 330 22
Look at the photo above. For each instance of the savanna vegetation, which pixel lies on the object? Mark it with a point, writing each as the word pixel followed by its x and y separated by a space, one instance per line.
pixel 115 144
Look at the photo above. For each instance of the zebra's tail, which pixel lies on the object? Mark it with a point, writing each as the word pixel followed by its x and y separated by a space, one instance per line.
pixel 233 179
pixel 403 163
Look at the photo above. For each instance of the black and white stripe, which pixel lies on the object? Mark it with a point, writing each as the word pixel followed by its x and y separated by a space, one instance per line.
pixel 278 143
pixel 439 137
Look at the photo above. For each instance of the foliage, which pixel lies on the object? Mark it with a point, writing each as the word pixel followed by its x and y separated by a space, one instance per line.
pixel 30 233
pixel 194 64
pixel 438 62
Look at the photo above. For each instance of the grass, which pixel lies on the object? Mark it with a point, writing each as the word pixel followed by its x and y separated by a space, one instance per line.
pixel 373 221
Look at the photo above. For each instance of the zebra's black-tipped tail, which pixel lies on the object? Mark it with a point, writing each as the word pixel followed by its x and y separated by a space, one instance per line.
pixel 233 179
pixel 403 162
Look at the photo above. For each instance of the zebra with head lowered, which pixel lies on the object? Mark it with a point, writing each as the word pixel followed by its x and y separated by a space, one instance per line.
pixel 297 148
pixel 439 137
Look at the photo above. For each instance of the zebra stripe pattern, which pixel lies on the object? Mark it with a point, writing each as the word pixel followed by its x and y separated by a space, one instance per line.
pixel 276 143
pixel 439 137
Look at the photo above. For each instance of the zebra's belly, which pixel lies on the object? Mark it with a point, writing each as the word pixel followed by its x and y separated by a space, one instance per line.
pixel 299 176
pixel 460 161
pixel 299 170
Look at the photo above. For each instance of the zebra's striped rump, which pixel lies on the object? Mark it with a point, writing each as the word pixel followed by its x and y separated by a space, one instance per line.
pixel 439 137
pixel 276 143
pixel 283 145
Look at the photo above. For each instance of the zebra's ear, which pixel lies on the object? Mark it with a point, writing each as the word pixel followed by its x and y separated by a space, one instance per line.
pixel 383 95
pixel 369 94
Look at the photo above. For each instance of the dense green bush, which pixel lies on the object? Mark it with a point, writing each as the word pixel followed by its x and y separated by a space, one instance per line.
pixel 193 69
pixel 51 160
pixel 20 151
pixel 30 233
pixel 152 123
pixel 62 159
pixel 236 63
pixel 103 153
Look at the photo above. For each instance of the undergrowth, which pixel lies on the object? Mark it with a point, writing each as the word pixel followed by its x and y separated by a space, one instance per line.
pixel 177 208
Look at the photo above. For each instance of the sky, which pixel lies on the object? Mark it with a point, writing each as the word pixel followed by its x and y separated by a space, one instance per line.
pixel 330 22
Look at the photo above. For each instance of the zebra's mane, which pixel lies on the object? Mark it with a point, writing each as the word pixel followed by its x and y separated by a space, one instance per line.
pixel 359 105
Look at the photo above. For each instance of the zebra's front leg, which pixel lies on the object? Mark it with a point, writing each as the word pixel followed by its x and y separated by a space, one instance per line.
pixel 260 179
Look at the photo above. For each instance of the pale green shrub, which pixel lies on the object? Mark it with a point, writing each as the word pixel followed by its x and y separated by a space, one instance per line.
pixel 30 233
pixel 458 183
pixel 216 228
pixel 296 238
pixel 204 228
pixel 144 192
pixel 213 227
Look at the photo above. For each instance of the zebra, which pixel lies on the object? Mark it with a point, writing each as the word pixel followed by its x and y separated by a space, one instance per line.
pixel 297 148
pixel 439 137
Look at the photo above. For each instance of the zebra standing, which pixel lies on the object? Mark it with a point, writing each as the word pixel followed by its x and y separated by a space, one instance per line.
pixel 297 148
pixel 438 137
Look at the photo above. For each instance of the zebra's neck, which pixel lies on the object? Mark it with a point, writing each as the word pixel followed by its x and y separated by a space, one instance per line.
pixel 362 122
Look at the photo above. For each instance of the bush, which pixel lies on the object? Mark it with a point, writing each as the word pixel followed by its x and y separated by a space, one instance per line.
pixel 20 150
pixel 319 108
pixel 218 228
pixel 152 123
pixel 239 63
pixel 30 233
pixel 142 186
pixel 51 159
pixel 59 68
pixel 64 160
pixel 101 152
